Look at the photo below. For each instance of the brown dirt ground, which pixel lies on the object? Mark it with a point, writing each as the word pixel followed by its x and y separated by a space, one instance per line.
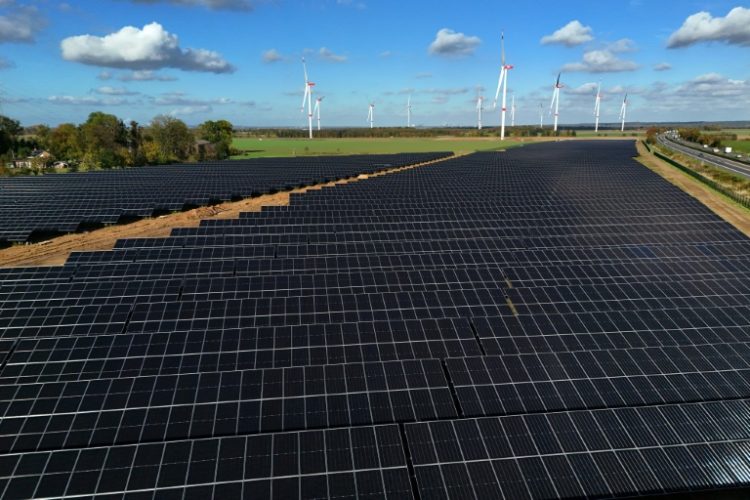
pixel 55 251
pixel 731 212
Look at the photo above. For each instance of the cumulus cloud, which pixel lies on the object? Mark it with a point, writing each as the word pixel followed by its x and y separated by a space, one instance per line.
pixel 732 29
pixel 572 34
pixel 107 90
pixel 328 55
pixel 149 48
pixel 601 61
pixel 20 23
pixel 452 44
pixel 271 56
pixel 209 4
pixel 664 66
pixel 145 76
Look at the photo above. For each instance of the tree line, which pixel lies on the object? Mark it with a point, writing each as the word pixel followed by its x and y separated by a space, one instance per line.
pixel 104 141
pixel 707 135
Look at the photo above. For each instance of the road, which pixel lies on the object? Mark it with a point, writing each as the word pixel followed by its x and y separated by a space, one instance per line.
pixel 735 167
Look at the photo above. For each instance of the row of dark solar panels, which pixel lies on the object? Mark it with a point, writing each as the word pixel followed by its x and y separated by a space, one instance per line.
pixel 452 354
pixel 38 206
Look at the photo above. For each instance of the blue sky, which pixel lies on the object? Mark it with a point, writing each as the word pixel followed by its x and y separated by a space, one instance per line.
pixel 240 59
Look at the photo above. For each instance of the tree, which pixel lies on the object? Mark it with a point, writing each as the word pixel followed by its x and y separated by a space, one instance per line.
pixel 172 139
pixel 105 141
pixel 135 145
pixel 64 142
pixel 9 131
pixel 651 134
pixel 220 134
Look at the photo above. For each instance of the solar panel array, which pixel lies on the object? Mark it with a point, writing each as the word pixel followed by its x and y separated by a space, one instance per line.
pixel 36 207
pixel 552 321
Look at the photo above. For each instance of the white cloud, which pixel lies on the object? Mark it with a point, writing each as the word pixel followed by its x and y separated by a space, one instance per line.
pixel 733 29
pixel 20 23
pixel 423 76
pixel 272 56
pixel 181 99
pixel 664 66
pixel 572 34
pixel 191 110
pixel 104 76
pixel 145 76
pixel 702 96
pixel 209 4
pixel 601 61
pixel 622 45
pixel 87 100
pixel 141 49
pixel 585 89
pixel 328 55
pixel 449 43
pixel 107 90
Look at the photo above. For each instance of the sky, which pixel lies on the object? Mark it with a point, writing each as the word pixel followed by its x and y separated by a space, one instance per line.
pixel 241 60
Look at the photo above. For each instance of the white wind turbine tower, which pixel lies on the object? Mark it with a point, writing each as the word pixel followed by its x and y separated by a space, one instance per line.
pixel 513 110
pixel 371 115
pixel 480 108
pixel 502 82
pixel 623 110
pixel 307 98
pixel 408 112
pixel 316 111
pixel 556 100
pixel 541 115
pixel 597 107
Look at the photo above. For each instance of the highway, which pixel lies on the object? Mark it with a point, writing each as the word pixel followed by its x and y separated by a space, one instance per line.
pixel 735 167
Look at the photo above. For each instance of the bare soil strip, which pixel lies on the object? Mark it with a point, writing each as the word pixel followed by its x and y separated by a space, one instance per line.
pixel 722 206
pixel 55 251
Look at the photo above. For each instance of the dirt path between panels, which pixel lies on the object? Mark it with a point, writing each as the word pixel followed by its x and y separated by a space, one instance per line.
pixel 55 251
pixel 722 206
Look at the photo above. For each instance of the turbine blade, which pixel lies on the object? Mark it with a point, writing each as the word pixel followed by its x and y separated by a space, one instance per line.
pixel 499 86
pixel 502 47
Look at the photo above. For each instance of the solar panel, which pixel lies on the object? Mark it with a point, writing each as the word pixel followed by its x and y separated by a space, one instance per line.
pixel 550 321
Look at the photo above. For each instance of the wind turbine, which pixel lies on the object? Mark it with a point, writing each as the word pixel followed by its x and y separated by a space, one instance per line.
pixel 408 112
pixel 502 82
pixel 541 115
pixel 556 100
pixel 597 107
pixel 512 109
pixel 480 108
pixel 307 98
pixel 623 110
pixel 371 115
pixel 317 109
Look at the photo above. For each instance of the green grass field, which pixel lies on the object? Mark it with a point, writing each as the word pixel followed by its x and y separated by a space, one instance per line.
pixel 261 148
pixel 738 146
pixel 610 133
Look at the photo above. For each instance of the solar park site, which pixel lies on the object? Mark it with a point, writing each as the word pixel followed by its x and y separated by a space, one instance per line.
pixel 552 321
